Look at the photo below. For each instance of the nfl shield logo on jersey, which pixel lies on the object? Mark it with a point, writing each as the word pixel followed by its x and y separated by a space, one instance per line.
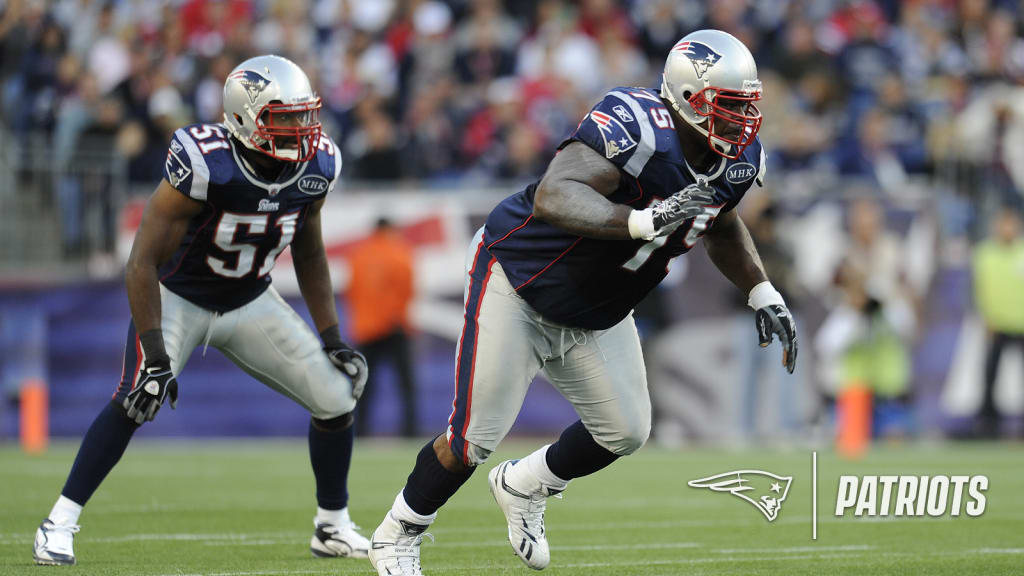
pixel 616 139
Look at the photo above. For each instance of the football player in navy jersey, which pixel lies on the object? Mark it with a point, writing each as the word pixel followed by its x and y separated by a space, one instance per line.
pixel 233 197
pixel 554 274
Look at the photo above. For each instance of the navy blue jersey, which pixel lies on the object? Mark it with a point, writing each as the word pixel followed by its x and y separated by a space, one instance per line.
pixel 224 260
pixel 591 283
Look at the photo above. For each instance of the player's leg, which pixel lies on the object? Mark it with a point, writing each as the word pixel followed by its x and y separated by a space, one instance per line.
pixel 401 356
pixel 268 340
pixel 988 415
pixel 372 351
pixel 104 443
pixel 602 374
pixel 497 358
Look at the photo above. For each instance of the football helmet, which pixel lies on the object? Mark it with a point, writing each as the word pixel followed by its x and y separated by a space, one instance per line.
pixel 711 76
pixel 270 107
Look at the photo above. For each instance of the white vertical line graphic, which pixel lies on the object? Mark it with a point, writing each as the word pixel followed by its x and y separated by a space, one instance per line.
pixel 814 495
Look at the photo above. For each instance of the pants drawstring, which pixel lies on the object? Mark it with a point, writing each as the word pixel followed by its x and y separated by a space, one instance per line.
pixel 580 340
pixel 209 332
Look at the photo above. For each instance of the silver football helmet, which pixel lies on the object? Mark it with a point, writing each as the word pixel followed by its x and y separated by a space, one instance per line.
pixel 270 107
pixel 710 77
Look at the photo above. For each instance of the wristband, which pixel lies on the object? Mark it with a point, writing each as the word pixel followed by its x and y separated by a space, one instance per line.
pixel 641 225
pixel 331 337
pixel 152 342
pixel 764 294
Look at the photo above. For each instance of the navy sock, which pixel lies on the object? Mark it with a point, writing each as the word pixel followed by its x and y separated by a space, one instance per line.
pixel 576 454
pixel 430 484
pixel 330 453
pixel 102 447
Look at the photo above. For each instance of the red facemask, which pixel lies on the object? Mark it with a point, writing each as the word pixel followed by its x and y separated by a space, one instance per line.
pixel 732 117
pixel 289 127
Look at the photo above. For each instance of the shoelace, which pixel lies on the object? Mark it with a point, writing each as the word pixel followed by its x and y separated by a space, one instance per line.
pixel 534 514
pixel 407 555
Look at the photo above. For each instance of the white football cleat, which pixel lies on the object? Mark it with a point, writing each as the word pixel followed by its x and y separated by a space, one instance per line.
pixel 395 547
pixel 54 545
pixel 525 515
pixel 338 540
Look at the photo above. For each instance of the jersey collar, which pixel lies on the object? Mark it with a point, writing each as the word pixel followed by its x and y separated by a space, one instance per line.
pixel 710 176
pixel 272 187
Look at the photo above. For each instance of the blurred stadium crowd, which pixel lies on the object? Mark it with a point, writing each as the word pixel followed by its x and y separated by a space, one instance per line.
pixel 442 90
pixel 912 109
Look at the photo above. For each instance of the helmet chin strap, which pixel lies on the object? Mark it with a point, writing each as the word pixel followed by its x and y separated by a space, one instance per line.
pixel 717 142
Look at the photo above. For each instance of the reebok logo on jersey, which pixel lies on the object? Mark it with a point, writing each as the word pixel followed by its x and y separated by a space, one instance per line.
pixel 766 491
pixel 267 206
pixel 616 139
pixel 911 495
pixel 740 173
pixel 622 113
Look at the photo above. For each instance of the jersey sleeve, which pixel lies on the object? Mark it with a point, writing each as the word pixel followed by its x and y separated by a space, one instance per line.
pixel 328 161
pixel 185 168
pixel 336 167
pixel 619 129
pixel 761 169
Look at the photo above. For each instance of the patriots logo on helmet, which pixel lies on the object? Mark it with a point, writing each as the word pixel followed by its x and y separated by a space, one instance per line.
pixel 253 82
pixel 764 490
pixel 616 138
pixel 701 55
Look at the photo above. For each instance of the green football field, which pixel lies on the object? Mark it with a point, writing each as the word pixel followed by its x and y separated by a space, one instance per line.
pixel 245 508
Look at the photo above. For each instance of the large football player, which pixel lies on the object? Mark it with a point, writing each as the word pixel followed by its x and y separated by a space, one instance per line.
pixel 233 197
pixel 555 272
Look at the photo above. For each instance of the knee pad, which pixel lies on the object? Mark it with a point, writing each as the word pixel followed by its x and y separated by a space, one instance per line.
pixel 335 424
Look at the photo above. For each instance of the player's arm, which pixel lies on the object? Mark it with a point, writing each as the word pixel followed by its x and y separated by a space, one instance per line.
pixel 314 277
pixel 164 223
pixel 312 272
pixel 730 247
pixel 573 193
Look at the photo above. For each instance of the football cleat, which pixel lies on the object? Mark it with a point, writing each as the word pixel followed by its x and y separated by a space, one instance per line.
pixel 54 545
pixel 525 515
pixel 395 547
pixel 338 540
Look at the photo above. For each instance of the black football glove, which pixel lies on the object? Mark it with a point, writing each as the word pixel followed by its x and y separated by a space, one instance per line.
pixel 351 363
pixel 688 203
pixel 775 319
pixel 156 383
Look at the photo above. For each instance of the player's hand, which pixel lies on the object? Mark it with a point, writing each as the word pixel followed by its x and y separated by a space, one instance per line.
pixel 351 363
pixel 679 207
pixel 156 383
pixel 664 216
pixel 776 320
